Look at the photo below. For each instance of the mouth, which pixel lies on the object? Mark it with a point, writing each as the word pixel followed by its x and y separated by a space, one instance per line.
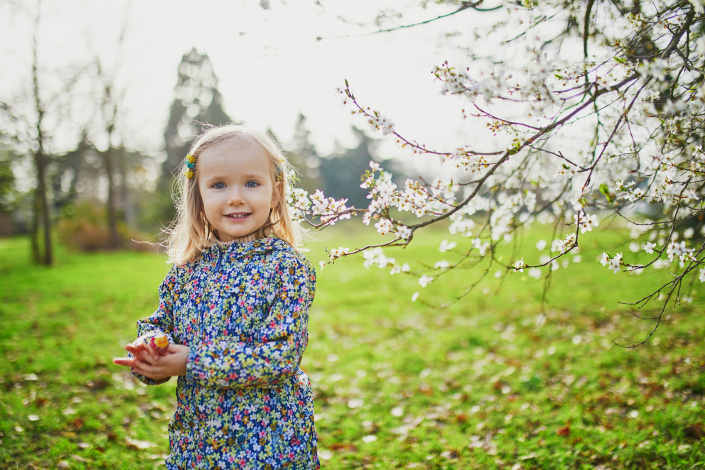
pixel 240 215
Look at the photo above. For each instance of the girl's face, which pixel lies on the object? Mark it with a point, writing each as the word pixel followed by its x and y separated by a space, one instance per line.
pixel 235 182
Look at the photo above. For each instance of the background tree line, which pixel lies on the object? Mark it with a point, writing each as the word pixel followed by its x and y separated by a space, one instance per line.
pixel 104 190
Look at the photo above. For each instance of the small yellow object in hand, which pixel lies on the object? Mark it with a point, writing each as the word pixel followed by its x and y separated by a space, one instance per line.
pixel 160 343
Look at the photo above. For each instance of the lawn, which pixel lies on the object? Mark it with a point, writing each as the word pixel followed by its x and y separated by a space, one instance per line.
pixel 503 378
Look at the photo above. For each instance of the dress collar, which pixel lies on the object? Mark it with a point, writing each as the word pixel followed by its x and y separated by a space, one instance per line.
pixel 238 248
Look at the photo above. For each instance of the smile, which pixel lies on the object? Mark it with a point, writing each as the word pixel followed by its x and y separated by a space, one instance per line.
pixel 238 216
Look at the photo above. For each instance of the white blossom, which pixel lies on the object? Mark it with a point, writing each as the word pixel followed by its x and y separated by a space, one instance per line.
pixel 656 68
pixel 447 246
pixel 586 221
pixel 443 264
pixel 384 226
pixel 338 253
pixel 425 280
pixel 396 269
pixel 380 123
pixel 403 232
pixel 681 251
pixel 519 265
pixel 604 259
pixel 614 262
pixel 376 257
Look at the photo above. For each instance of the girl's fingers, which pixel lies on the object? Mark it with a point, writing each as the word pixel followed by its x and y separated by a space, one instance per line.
pixel 147 358
pixel 124 361
pixel 134 349
pixel 142 368
pixel 151 372
pixel 142 350
pixel 149 363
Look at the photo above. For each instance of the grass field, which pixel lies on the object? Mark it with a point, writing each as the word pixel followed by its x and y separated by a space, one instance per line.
pixel 498 380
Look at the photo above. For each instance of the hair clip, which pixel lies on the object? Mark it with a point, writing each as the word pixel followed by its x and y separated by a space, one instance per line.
pixel 190 165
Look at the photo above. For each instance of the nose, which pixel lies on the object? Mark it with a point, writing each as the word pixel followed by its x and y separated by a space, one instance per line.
pixel 235 196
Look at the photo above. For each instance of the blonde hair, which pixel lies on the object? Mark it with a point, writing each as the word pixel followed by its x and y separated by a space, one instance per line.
pixel 190 231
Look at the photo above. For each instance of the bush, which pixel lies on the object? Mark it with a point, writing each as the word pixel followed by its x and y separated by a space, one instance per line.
pixel 83 227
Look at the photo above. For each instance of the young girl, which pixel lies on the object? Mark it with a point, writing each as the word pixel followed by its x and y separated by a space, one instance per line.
pixel 234 307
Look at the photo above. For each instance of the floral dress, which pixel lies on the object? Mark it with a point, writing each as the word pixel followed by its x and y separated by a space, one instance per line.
pixel 244 403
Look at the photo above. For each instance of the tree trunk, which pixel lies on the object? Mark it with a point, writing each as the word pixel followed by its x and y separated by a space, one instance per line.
pixel 39 155
pixel 125 200
pixel 40 163
pixel 34 230
pixel 114 241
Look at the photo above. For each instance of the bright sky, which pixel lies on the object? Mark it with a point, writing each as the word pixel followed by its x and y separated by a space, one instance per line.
pixel 270 65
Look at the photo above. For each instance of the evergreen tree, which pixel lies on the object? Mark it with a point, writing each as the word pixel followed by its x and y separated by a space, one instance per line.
pixel 340 174
pixel 304 157
pixel 196 100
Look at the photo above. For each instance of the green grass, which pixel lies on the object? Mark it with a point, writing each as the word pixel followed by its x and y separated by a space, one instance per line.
pixel 501 379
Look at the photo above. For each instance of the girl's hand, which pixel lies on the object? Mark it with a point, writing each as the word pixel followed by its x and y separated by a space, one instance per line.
pixel 157 367
pixel 141 350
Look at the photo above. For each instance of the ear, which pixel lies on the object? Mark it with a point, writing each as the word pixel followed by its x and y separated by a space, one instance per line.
pixel 277 192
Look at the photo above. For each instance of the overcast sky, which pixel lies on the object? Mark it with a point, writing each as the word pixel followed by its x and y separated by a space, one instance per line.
pixel 270 63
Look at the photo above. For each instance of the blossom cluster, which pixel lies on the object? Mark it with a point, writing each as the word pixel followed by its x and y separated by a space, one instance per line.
pixel 604 142
pixel 328 209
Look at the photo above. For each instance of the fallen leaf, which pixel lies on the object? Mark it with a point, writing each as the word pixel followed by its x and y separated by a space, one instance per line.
pixel 77 423
pixel 694 431
pixel 451 454
pixel 340 447
pixel 138 445
pixel 97 384
pixel 565 432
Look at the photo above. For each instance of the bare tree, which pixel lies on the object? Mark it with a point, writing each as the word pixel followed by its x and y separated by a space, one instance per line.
pixel 41 218
pixel 29 119
pixel 109 108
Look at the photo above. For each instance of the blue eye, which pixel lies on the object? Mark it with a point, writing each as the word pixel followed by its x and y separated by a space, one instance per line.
pixel 218 185
pixel 252 184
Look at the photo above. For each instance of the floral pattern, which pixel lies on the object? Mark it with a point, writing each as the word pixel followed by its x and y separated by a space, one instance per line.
pixel 244 402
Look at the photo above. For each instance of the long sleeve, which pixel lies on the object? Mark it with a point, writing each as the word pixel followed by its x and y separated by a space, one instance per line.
pixel 161 321
pixel 280 341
